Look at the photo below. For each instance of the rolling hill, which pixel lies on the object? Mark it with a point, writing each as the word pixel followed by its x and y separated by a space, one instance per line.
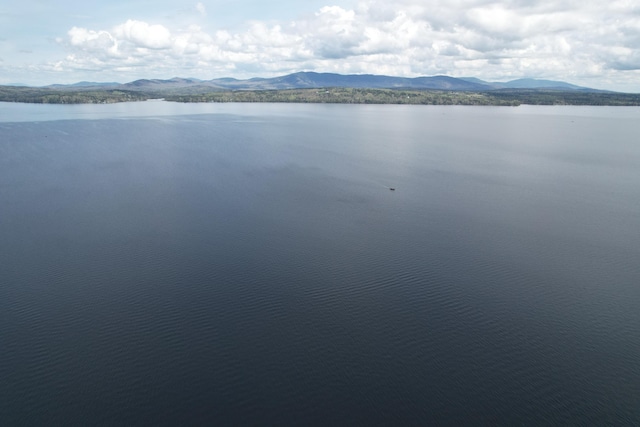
pixel 309 80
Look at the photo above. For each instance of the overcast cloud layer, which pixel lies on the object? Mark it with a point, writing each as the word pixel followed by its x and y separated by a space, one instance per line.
pixel 587 42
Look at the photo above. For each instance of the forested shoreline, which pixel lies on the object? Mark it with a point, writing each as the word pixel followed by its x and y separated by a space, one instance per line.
pixel 505 97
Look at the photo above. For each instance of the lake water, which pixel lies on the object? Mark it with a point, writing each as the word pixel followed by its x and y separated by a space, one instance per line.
pixel 247 264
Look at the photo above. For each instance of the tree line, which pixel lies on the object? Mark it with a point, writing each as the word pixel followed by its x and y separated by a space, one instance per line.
pixel 506 97
pixel 56 96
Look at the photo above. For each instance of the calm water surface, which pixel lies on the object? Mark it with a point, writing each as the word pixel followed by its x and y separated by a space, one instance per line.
pixel 247 264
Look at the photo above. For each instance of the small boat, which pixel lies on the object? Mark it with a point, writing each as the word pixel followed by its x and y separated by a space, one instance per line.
pixel 392 188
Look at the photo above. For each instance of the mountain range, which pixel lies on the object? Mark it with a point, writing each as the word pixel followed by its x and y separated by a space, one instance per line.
pixel 307 80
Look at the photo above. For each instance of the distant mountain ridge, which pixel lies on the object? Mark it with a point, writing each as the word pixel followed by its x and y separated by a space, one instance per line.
pixel 308 80
pixel 528 83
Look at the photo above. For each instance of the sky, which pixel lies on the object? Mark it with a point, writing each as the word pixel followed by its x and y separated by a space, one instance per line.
pixel 592 43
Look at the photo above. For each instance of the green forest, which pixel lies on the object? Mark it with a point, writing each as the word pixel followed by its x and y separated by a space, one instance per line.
pixel 504 97
pixel 56 96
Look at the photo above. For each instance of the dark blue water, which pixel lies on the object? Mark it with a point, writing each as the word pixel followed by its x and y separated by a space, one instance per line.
pixel 164 264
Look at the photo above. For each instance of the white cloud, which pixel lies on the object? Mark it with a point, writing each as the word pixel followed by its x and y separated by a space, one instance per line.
pixel 89 40
pixel 201 8
pixel 571 40
pixel 144 35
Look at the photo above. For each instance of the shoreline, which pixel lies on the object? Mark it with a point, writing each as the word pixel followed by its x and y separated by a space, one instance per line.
pixel 511 97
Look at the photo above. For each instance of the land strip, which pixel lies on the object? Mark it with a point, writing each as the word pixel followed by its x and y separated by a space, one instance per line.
pixel 499 97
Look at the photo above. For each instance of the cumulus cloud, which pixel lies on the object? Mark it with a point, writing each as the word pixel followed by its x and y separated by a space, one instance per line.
pixel 144 35
pixel 92 41
pixel 567 39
